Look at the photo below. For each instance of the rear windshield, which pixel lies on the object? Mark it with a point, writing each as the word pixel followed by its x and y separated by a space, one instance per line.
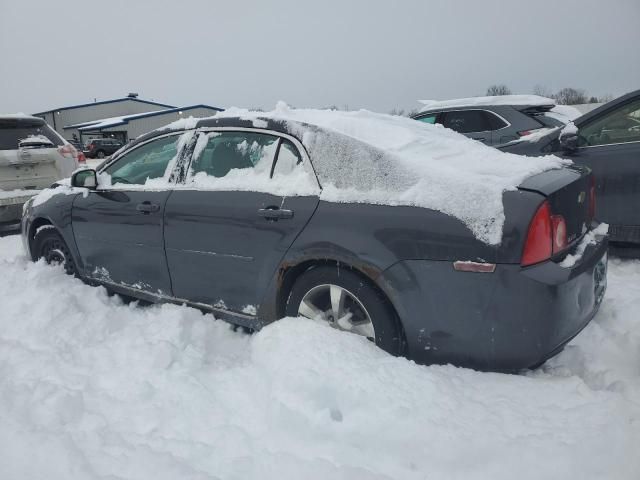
pixel 548 121
pixel 11 132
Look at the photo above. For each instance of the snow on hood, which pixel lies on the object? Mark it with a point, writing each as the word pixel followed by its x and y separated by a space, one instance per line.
pixel 367 157
pixel 494 100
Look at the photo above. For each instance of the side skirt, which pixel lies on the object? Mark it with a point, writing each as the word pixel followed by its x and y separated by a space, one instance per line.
pixel 235 318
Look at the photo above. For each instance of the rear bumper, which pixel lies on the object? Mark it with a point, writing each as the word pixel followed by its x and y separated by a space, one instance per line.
pixel 11 209
pixel 511 319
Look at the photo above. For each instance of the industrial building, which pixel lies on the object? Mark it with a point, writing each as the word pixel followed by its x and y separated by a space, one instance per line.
pixel 122 118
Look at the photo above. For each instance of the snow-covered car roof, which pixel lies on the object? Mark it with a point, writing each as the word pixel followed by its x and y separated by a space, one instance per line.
pixel 19 116
pixel 529 100
pixel 365 157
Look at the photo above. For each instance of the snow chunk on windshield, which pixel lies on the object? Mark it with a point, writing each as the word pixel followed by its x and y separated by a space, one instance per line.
pixel 374 158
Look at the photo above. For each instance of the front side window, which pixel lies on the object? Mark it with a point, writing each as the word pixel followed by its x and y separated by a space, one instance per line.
pixel 466 121
pixel 147 162
pixel 619 126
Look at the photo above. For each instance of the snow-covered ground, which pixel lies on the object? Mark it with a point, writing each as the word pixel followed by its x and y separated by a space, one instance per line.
pixel 93 388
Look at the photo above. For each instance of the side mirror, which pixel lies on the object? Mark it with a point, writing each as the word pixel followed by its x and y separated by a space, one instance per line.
pixel 569 138
pixel 85 178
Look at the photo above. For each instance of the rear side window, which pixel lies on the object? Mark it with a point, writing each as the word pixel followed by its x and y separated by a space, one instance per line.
pixel 233 151
pixel 495 122
pixel 250 162
pixel 12 132
pixel 466 121
pixel 288 159
pixel 428 119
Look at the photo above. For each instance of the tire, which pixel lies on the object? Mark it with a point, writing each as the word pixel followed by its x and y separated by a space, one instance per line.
pixel 49 245
pixel 100 154
pixel 312 286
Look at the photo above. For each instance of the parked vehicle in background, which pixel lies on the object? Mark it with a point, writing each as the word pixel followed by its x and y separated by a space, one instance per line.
pixel 607 140
pixel 500 119
pixel 344 217
pixel 32 157
pixel 101 147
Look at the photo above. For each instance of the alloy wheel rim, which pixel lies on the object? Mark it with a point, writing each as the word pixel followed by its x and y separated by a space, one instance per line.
pixel 339 308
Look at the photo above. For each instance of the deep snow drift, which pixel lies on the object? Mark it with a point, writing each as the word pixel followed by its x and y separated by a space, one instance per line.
pixel 92 388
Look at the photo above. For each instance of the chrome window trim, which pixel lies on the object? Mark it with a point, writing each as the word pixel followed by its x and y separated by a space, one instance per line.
pixel 608 144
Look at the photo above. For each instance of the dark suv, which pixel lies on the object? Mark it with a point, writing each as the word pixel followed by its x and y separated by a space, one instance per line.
pixel 101 147
pixel 497 120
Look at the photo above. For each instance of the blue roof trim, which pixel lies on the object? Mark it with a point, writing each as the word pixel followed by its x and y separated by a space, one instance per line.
pixel 137 116
pixel 104 102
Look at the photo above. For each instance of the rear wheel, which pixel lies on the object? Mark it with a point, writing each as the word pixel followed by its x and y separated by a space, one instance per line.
pixel 347 302
pixel 49 245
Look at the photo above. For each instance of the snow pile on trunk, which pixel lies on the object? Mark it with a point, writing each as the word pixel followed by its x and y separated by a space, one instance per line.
pixel 91 388
pixel 373 158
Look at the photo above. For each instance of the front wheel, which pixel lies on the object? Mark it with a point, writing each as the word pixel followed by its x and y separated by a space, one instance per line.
pixel 347 302
pixel 49 245
pixel 100 154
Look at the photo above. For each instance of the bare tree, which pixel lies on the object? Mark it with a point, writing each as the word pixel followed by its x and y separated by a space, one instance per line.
pixel 570 96
pixel 542 90
pixel 397 111
pixel 494 90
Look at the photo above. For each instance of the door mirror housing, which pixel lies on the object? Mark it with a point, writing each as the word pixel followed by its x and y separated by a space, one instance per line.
pixel 569 138
pixel 87 178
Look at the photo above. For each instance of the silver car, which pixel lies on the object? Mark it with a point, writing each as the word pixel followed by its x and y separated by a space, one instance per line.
pixel 498 120
pixel 32 157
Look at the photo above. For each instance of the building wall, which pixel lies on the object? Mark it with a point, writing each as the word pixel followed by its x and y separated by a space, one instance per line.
pixel 138 127
pixel 58 119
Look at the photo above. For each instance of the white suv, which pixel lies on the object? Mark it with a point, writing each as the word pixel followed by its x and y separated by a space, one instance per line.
pixel 32 157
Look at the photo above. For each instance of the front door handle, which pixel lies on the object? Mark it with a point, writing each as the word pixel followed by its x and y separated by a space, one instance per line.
pixel 275 213
pixel 147 207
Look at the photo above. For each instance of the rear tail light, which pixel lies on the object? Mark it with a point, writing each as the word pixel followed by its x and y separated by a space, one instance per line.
pixel 592 198
pixel 69 151
pixel 547 236
pixel 559 227
pixel 524 133
pixel 538 245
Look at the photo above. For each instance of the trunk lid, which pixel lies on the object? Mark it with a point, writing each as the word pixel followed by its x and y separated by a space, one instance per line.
pixel 32 168
pixel 568 191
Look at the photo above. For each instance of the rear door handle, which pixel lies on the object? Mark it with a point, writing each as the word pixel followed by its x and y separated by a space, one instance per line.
pixel 275 213
pixel 147 207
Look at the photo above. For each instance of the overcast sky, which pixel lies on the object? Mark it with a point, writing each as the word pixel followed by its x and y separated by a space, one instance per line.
pixel 361 54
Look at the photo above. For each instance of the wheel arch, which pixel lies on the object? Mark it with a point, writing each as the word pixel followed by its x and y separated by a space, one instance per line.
pixel 290 273
pixel 33 228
